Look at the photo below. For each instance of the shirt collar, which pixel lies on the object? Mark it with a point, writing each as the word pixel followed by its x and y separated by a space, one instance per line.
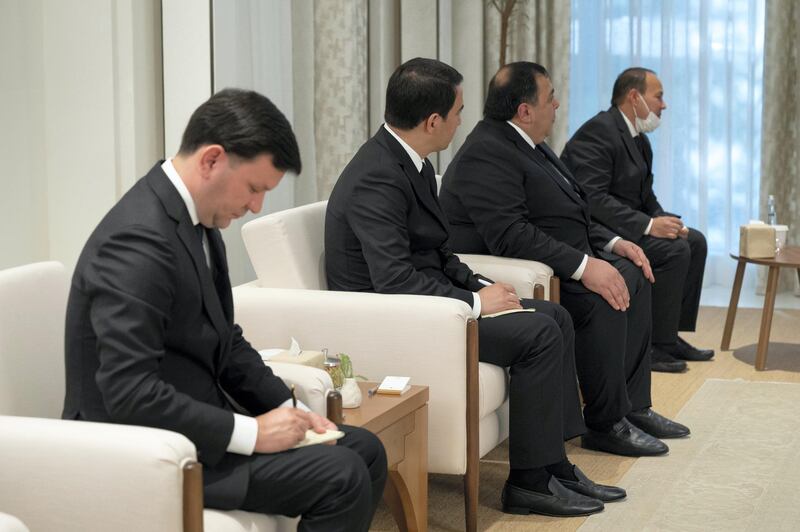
pixel 631 128
pixel 415 158
pixel 522 134
pixel 178 183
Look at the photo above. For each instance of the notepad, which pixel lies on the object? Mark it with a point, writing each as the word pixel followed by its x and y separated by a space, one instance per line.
pixel 313 438
pixel 392 385
pixel 512 311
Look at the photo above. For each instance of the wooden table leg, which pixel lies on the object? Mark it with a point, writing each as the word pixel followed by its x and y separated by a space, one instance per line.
pixel 766 317
pixel 406 492
pixel 737 289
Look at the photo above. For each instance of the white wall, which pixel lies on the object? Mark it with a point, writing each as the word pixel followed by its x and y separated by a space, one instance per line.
pixel 81 87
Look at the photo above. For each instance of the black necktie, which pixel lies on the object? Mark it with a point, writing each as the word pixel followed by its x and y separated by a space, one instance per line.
pixel 429 175
pixel 200 231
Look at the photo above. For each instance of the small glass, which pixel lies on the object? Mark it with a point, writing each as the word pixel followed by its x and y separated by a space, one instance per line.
pixel 333 365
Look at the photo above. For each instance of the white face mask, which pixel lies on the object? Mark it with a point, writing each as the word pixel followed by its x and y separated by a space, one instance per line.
pixel 646 125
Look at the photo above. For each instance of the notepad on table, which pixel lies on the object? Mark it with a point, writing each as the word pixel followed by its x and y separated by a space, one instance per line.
pixel 313 438
pixel 392 385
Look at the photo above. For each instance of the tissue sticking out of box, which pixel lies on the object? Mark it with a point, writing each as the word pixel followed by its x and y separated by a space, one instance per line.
pixel 294 355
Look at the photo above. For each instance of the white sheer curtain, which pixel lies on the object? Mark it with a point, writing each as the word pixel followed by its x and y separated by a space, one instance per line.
pixel 709 56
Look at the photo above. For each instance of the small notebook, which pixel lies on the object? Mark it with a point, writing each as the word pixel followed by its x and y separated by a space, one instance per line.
pixel 313 438
pixel 512 311
pixel 392 385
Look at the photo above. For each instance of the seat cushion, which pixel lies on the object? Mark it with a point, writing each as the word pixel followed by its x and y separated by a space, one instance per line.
pixel 240 521
pixel 493 384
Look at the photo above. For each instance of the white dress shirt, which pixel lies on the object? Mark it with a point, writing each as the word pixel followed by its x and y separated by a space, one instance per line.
pixel 245 428
pixel 635 134
pixel 418 162
pixel 577 274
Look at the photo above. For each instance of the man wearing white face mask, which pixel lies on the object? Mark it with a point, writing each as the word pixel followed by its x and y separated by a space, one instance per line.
pixel 611 157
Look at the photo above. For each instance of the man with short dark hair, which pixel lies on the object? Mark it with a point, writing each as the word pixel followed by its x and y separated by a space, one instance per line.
pixel 151 339
pixel 385 232
pixel 611 157
pixel 506 193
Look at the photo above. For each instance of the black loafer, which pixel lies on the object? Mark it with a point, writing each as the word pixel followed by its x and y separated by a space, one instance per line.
pixel 657 425
pixel 662 361
pixel 624 439
pixel 585 486
pixel 560 502
pixel 685 351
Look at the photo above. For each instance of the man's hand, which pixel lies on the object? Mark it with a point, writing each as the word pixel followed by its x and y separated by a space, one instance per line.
pixel 635 254
pixel 320 424
pixel 667 227
pixel 602 278
pixel 684 232
pixel 497 298
pixel 282 428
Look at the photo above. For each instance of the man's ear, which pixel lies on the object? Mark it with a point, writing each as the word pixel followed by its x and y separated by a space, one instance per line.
pixel 525 113
pixel 211 157
pixel 431 122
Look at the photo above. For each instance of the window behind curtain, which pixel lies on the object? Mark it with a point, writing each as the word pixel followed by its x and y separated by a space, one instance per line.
pixel 709 57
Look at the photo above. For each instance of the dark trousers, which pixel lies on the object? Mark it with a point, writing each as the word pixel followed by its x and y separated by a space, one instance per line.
pixel 333 487
pixel 612 348
pixel 678 266
pixel 544 410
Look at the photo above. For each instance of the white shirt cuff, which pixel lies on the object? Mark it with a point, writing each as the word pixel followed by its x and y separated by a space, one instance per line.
pixel 476 305
pixel 649 226
pixel 579 272
pixel 609 248
pixel 245 432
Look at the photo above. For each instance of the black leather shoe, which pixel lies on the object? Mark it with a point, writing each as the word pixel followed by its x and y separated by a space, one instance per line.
pixel 560 502
pixel 685 351
pixel 586 486
pixel 624 439
pixel 657 425
pixel 662 361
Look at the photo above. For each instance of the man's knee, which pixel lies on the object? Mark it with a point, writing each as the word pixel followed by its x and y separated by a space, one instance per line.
pixel 697 243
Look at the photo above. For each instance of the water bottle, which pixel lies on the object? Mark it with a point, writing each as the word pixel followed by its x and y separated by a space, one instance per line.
pixel 772 217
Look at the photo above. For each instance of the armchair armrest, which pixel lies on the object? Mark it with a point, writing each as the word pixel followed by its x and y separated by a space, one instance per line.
pixel 522 274
pixel 311 384
pixel 422 337
pixel 9 523
pixel 77 475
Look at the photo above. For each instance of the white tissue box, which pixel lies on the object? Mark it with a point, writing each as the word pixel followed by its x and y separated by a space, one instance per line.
pixel 757 241
pixel 315 359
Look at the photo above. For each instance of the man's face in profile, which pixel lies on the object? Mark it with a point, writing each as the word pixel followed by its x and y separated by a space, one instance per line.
pixel 450 124
pixel 544 110
pixel 653 97
pixel 237 187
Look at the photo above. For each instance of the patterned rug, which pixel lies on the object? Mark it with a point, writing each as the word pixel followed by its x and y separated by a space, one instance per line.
pixel 739 470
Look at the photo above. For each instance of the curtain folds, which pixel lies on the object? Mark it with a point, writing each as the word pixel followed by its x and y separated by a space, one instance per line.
pixel 780 147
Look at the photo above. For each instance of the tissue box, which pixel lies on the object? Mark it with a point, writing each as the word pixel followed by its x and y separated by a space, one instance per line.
pixel 314 359
pixel 757 241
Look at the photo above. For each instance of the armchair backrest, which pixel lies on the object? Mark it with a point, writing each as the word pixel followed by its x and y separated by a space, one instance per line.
pixel 287 248
pixel 33 303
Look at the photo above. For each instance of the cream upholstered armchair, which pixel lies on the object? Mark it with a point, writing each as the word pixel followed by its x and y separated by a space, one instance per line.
pixel 81 476
pixel 431 339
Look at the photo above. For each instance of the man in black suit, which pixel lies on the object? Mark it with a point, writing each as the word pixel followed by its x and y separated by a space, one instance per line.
pixel 506 193
pixel 385 232
pixel 610 156
pixel 151 340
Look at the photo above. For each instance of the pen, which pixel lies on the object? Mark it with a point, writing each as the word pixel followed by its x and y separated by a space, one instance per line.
pixel 372 391
pixel 294 398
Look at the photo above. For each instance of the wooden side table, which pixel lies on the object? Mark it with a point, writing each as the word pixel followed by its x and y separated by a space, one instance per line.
pixel 788 257
pixel 401 423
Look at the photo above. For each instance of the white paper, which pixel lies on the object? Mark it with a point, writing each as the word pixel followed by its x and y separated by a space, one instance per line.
pixel 393 383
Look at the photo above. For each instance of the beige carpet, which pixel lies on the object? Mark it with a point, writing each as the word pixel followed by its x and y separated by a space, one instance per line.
pixel 671 393
pixel 738 471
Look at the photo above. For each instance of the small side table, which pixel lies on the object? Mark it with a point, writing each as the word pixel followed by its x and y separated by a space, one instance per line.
pixel 401 423
pixel 788 257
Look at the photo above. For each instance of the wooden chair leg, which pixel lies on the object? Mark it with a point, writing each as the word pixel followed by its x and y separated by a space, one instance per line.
pixel 766 317
pixel 555 289
pixel 473 460
pixel 735 292
pixel 193 497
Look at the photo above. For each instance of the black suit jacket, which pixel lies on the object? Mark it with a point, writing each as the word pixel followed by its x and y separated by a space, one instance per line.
pixel 385 231
pixel 150 337
pixel 503 198
pixel 616 175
